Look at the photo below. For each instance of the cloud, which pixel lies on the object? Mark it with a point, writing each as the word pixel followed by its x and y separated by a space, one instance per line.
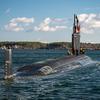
pixel 8 11
pixel 22 20
pixel 46 25
pixel 89 23
pixel 25 24
pixel 19 24
pixel 59 20
pixel 92 8
pixel 13 27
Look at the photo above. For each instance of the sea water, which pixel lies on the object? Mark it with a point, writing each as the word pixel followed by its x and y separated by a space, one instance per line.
pixel 81 83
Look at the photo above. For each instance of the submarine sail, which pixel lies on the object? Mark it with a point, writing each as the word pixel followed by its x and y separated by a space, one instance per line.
pixel 76 37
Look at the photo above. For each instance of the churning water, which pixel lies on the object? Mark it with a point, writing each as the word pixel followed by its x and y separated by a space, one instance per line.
pixel 80 83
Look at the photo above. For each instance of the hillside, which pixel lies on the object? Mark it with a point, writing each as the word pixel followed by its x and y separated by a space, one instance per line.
pixel 55 45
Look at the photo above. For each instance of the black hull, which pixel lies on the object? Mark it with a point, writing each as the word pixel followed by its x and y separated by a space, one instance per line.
pixel 51 66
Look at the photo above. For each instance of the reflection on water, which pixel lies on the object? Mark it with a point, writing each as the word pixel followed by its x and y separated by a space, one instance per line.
pixel 7 90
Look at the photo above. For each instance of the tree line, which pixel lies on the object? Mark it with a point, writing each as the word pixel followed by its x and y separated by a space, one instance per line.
pixel 54 45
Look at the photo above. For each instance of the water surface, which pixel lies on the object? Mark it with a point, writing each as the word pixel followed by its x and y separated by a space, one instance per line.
pixel 81 83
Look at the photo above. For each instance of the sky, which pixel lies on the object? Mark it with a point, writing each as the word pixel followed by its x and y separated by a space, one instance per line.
pixel 48 20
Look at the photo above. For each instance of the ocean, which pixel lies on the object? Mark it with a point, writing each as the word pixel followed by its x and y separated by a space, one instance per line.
pixel 82 83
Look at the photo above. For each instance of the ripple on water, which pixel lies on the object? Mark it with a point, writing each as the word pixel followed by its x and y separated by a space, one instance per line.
pixel 81 83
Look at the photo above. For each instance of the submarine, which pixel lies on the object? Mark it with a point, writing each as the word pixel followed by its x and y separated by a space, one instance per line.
pixel 76 58
pixel 53 66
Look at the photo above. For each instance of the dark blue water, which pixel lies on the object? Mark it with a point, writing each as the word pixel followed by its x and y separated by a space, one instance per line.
pixel 81 83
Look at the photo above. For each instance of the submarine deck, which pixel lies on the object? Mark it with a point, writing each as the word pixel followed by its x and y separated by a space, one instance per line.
pixel 55 63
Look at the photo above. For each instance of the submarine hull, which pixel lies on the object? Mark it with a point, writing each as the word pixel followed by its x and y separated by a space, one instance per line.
pixel 54 65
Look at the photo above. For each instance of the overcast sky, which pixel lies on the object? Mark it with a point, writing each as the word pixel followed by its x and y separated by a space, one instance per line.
pixel 48 20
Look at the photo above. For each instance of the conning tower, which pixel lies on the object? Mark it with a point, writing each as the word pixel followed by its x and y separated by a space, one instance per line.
pixel 76 37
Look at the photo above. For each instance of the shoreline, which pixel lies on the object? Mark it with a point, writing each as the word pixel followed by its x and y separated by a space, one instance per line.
pixel 54 45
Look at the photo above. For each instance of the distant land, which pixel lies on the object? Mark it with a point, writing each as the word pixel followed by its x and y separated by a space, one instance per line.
pixel 54 45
